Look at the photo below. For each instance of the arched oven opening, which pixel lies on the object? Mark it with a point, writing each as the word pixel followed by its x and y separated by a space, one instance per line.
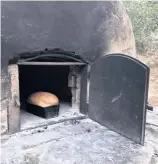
pixel 54 71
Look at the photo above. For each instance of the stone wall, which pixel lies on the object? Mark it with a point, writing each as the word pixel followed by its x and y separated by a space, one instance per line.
pixel 4 119
pixel 4 102
pixel 74 83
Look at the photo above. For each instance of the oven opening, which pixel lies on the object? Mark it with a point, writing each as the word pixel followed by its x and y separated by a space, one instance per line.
pixel 56 79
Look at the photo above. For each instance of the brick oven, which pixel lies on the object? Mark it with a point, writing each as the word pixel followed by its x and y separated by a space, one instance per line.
pixel 97 80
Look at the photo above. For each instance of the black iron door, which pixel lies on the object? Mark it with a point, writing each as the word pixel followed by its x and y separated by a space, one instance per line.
pixel 118 95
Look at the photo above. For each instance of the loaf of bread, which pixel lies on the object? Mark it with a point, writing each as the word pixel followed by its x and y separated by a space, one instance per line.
pixel 43 99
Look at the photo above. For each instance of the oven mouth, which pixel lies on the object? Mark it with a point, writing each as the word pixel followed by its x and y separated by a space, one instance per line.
pixel 55 79
pixel 55 71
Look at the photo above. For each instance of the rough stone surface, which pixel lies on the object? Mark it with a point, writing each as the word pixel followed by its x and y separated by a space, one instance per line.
pixel 89 28
pixel 74 83
pixel 4 85
pixel 75 142
pixel 4 102
pixel 14 105
pixel 3 113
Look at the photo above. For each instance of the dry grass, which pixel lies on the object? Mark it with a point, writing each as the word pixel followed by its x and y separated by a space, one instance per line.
pixel 152 62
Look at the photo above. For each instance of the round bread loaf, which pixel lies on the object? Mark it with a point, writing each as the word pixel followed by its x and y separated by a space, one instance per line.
pixel 43 99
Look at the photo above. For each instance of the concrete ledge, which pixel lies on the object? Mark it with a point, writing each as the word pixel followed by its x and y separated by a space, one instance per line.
pixel 80 141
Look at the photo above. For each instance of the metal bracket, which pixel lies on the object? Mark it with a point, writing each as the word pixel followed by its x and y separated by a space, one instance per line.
pixel 149 107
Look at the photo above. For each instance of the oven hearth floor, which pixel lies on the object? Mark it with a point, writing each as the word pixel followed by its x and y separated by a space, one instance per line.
pixel 28 120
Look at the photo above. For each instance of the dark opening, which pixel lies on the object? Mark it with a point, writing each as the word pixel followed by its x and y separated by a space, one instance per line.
pixel 53 79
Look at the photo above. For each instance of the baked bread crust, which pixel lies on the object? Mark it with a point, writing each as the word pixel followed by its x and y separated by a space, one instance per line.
pixel 43 99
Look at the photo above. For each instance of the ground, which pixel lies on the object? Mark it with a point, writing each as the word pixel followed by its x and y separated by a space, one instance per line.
pixel 80 142
pixel 152 62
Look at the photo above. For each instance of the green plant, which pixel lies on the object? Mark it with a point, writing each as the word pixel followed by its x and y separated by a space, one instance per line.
pixel 144 17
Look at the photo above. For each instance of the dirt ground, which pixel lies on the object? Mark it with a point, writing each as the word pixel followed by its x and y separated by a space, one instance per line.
pixel 152 62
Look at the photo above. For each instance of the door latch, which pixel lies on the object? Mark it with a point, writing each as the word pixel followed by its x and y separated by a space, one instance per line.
pixel 149 106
